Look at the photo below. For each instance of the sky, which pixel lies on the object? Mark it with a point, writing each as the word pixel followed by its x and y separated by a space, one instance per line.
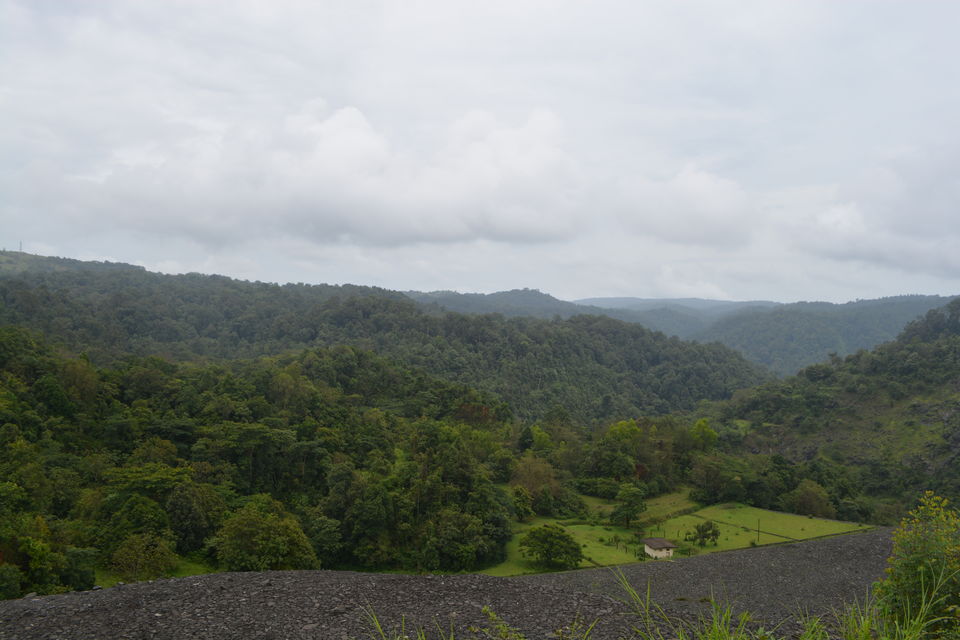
pixel 757 149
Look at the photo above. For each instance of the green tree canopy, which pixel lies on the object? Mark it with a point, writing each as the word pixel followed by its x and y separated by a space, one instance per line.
pixel 630 505
pixel 552 547
pixel 261 536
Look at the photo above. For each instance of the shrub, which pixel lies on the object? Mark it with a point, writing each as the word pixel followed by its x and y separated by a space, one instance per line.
pixel 143 556
pixel 924 571
pixel 79 572
pixel 9 581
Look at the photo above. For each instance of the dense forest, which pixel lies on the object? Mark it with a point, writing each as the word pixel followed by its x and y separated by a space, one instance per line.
pixel 591 367
pixel 324 457
pixel 148 419
pixel 790 337
pixel 889 417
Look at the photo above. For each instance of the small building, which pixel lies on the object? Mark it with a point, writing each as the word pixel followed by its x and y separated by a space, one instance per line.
pixel 658 547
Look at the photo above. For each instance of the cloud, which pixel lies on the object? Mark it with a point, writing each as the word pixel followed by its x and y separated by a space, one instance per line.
pixel 693 206
pixel 900 214
pixel 766 148
pixel 329 174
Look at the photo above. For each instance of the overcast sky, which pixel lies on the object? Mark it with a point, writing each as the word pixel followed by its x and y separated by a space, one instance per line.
pixel 757 149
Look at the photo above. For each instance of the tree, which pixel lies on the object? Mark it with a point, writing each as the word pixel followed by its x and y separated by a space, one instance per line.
pixel 137 514
pixel 809 499
pixel 10 577
pixel 631 505
pixel 703 435
pixel 262 536
pixel 195 512
pixel 323 533
pixel 143 556
pixel 535 475
pixel 522 503
pixel 551 546
pixel 80 570
pixel 703 533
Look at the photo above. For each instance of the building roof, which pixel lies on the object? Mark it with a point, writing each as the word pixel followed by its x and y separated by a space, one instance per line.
pixel 659 543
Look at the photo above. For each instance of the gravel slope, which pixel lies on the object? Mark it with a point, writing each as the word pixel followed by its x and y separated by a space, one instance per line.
pixel 770 581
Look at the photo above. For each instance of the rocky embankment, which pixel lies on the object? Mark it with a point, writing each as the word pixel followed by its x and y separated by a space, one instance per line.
pixel 774 583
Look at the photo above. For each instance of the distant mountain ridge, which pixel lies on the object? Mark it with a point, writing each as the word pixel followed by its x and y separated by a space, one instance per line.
pixel 784 337
pixel 718 307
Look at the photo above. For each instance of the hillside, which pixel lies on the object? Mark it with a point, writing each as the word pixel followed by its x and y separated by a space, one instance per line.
pixel 671 319
pixel 789 337
pixel 782 337
pixel 591 368
pixel 888 418
pixel 194 315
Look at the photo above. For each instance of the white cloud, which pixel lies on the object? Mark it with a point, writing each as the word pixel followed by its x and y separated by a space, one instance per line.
pixel 693 206
pixel 767 148
pixel 329 174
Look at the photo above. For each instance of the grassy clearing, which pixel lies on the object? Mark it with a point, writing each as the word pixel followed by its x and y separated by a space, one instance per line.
pixel 596 541
pixel 668 505
pixel 787 525
pixel 657 508
pixel 730 537
pixel 186 567
pixel 737 522
pixel 738 526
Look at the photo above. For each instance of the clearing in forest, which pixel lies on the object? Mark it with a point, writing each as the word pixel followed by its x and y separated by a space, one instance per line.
pixel 672 516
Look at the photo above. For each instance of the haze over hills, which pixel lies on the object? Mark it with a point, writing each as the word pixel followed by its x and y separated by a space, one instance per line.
pixel 707 306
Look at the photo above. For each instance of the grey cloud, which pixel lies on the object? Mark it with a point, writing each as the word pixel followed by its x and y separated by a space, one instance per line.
pixel 638 148
pixel 329 174
pixel 900 214
pixel 693 206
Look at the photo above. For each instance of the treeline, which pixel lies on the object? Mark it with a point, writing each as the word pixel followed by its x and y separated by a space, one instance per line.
pixel 889 418
pixel 594 368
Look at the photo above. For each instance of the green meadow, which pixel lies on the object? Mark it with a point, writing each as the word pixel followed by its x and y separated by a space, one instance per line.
pixel 671 516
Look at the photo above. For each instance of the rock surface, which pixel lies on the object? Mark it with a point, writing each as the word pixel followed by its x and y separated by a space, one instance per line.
pixel 771 582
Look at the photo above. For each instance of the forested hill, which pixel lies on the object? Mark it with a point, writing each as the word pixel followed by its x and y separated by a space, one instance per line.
pixel 782 337
pixel 591 368
pixel 328 455
pixel 671 319
pixel 789 337
pixel 890 416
